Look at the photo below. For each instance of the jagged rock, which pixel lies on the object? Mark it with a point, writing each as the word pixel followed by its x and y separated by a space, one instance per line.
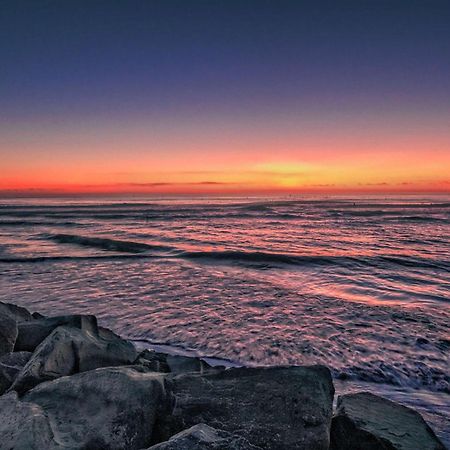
pixel 10 365
pixel 8 333
pixel 37 315
pixel 108 408
pixel 181 364
pixel 32 333
pixel 274 408
pixel 71 350
pixel 203 437
pixel 364 421
pixel 23 425
pixel 107 333
pixel 162 362
pixel 17 312
pixel 153 361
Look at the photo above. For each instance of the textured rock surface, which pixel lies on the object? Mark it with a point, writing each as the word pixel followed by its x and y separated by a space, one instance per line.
pixel 110 408
pixel 182 364
pixel 23 425
pixel 153 361
pixel 17 312
pixel 32 333
pixel 274 408
pixel 203 437
pixel 364 421
pixel 67 351
pixel 8 333
pixel 10 365
pixel 161 362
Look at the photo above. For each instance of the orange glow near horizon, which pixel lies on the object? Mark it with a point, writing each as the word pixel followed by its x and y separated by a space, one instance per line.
pixel 243 164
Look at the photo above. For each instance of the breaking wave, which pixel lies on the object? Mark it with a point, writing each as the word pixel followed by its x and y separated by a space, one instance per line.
pixel 106 243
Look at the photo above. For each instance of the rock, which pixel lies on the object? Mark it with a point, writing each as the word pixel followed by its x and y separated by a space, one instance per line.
pixel 32 333
pixel 162 362
pixel 109 408
pixel 273 408
pixel 203 437
pixel 364 421
pixel 71 350
pixel 153 361
pixel 10 365
pixel 8 333
pixel 182 364
pixel 23 425
pixel 107 333
pixel 37 315
pixel 17 312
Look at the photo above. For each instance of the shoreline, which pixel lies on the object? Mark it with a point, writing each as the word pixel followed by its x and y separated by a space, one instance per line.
pixel 57 356
pixel 429 402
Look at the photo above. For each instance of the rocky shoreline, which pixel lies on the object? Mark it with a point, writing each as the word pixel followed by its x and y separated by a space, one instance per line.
pixel 68 383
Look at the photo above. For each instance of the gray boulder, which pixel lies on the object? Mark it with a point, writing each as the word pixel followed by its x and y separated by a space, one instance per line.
pixel 364 421
pixel 23 425
pixel 107 333
pixel 10 365
pixel 67 351
pixel 162 362
pixel 182 364
pixel 8 333
pixel 17 312
pixel 153 361
pixel 109 408
pixel 274 408
pixel 32 333
pixel 203 437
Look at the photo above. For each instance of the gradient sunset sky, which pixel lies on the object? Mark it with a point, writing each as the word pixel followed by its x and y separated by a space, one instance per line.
pixel 224 96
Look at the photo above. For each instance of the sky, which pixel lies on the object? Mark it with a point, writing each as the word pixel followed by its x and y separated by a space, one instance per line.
pixel 224 96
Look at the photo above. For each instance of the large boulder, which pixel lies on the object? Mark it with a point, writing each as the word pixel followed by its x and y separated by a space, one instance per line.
pixel 32 333
pixel 8 333
pixel 203 437
pixel 17 312
pixel 110 408
pixel 71 350
pixel 24 425
pixel 10 365
pixel 274 408
pixel 364 421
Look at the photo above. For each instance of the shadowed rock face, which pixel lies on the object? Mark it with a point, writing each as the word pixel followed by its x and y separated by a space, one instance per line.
pixel 71 350
pixel 203 437
pixel 8 333
pixel 364 421
pixel 10 365
pixel 110 408
pixel 274 408
pixel 161 362
pixel 16 312
pixel 32 333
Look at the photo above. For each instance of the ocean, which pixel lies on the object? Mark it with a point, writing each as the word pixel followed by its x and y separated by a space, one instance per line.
pixel 360 284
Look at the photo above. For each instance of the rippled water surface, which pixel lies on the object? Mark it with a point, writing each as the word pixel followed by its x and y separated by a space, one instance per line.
pixel 359 284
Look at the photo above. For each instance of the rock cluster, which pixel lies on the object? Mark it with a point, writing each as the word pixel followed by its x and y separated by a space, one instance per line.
pixel 66 383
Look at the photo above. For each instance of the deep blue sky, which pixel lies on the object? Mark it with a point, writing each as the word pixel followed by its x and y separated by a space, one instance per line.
pixel 72 56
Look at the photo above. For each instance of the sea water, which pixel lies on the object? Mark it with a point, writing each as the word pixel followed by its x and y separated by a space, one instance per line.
pixel 360 284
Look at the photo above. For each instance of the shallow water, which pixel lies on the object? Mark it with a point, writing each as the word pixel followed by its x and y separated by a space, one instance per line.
pixel 360 284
